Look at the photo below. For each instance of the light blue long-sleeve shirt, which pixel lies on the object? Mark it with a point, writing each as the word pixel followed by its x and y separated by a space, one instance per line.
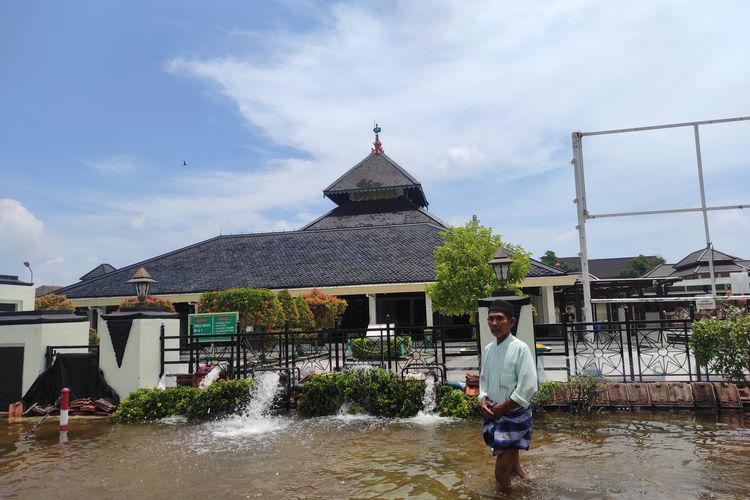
pixel 508 372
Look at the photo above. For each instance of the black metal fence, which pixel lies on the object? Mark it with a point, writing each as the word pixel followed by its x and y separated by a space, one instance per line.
pixel 628 350
pixel 403 350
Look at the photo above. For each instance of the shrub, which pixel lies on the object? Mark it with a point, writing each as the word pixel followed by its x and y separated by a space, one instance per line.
pixel 52 302
pixel 382 394
pixel 454 403
pixel 152 303
pixel 543 396
pixel 289 307
pixel 324 394
pixel 219 400
pixel 93 337
pixel 377 392
pixel 723 345
pixel 258 308
pixel 371 349
pixel 144 405
pixel 306 318
pixel 582 391
pixel 325 308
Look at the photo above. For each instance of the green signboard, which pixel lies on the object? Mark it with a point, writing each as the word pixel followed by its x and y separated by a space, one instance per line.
pixel 214 324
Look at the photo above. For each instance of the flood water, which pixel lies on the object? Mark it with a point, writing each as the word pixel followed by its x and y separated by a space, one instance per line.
pixel 619 455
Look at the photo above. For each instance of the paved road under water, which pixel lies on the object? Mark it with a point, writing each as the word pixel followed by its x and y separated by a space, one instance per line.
pixel 618 455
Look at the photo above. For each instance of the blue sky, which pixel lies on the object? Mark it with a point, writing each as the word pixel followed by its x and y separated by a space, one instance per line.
pixel 270 102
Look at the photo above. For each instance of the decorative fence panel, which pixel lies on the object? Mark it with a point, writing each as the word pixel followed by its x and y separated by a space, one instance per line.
pixel 627 350
pixel 403 350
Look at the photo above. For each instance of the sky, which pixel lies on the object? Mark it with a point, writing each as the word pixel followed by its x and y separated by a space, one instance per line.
pixel 267 103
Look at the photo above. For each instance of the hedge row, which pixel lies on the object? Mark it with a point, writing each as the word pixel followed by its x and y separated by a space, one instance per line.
pixel 219 400
pixel 379 393
pixel 376 392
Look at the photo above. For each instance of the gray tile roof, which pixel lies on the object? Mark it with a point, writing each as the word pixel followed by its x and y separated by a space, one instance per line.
pixel 719 267
pixel 376 171
pixel 45 289
pixel 7 279
pixel 374 213
pixel 99 270
pixel 297 259
pixel 702 257
pixel 539 269
pixel 603 268
pixel 660 271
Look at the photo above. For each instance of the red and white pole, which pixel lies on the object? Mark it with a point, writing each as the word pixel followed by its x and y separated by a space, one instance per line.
pixel 64 406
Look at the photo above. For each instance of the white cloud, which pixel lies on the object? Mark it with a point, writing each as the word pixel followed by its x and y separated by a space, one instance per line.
pixel 22 235
pixel 115 164
pixel 138 221
pixel 492 93
pixel 478 103
pixel 54 261
pixel 499 85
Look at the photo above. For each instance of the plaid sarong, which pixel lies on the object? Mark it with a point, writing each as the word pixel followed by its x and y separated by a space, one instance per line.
pixel 512 430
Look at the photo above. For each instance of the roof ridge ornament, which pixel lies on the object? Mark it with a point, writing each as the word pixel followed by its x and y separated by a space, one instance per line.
pixel 378 149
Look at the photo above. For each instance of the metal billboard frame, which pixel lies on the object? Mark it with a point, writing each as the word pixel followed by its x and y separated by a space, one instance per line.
pixel 584 214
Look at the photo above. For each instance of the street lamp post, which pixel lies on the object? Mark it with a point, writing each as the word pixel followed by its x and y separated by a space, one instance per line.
pixel 501 265
pixel 142 281
pixel 32 272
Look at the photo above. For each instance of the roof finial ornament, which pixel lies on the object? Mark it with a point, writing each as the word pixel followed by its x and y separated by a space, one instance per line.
pixel 378 149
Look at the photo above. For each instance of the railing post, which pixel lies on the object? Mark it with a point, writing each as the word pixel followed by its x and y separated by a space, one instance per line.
pixel 286 345
pixel 638 349
pixel 388 337
pixel 336 343
pixel 161 355
pixel 441 338
pixel 238 349
pixel 294 351
pixel 630 344
pixel 190 350
pixel 570 337
pixel 687 349
pixel 48 357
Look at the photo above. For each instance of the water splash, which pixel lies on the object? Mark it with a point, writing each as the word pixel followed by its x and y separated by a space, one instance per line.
pixel 264 390
pixel 255 418
pixel 427 415
pixel 162 382
pixel 428 400
pixel 345 415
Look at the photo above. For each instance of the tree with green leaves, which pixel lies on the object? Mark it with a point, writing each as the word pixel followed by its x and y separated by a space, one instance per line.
pixel 723 344
pixel 53 302
pixel 638 266
pixel 462 270
pixel 289 306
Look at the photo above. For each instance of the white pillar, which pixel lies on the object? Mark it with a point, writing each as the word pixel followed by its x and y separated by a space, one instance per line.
pixel 548 305
pixel 141 360
pixel 373 309
pixel 428 308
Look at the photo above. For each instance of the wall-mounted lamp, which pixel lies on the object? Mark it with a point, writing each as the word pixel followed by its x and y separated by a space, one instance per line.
pixel 142 281
pixel 501 264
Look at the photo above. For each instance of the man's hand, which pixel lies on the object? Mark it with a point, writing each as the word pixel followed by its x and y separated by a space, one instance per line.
pixel 486 408
pixel 497 410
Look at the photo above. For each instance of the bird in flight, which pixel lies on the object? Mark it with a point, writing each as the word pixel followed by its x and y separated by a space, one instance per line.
pixel 184 163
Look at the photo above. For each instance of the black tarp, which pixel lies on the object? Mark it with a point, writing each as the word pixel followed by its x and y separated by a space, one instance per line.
pixel 79 372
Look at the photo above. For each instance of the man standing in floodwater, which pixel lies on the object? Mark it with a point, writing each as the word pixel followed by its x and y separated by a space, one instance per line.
pixel 506 385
